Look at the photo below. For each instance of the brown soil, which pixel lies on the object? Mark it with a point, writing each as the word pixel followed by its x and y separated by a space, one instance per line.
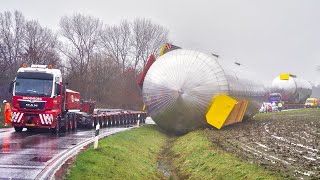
pixel 285 142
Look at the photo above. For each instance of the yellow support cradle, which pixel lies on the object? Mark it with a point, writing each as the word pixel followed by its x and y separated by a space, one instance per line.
pixel 219 110
pixel 225 110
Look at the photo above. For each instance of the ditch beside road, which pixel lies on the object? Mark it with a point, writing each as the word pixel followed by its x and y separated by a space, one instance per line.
pixel 150 153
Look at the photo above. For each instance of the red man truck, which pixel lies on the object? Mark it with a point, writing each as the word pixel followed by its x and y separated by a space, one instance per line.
pixel 41 101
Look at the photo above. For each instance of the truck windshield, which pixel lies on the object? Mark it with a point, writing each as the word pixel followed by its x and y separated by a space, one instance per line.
pixel 309 101
pixel 33 87
pixel 274 98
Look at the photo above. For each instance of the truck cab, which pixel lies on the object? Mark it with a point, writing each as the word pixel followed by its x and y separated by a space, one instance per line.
pixel 311 103
pixel 37 97
pixel 275 98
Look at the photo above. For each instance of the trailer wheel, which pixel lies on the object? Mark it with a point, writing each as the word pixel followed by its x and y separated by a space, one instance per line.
pixel 94 122
pixel 117 121
pixel 114 120
pixel 70 119
pixel 18 129
pixel 136 118
pixel 100 121
pixel 75 125
pixel 120 120
pixel 144 118
pixel 131 119
pixel 103 122
pixel 109 121
pixel 128 119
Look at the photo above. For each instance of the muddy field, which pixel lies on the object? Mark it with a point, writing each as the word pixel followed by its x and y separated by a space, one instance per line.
pixel 288 142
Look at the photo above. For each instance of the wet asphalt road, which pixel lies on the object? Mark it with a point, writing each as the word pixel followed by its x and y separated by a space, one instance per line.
pixel 24 155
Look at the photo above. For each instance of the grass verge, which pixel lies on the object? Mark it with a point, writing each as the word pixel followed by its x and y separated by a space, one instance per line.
pixel 127 155
pixel 195 157
pixel 135 154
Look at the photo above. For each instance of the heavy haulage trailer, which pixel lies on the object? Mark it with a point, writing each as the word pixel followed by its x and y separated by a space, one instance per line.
pixel 40 100
pixel 291 91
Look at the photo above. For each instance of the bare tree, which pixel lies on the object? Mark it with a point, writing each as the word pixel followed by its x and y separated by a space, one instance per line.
pixel 103 75
pixel 131 44
pixel 41 45
pixel 101 63
pixel 147 39
pixel 11 42
pixel 116 42
pixel 81 35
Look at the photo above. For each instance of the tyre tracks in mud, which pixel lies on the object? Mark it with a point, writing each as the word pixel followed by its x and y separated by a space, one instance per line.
pixel 289 144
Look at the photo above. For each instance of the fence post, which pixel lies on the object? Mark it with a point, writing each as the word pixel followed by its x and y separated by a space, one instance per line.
pixel 96 138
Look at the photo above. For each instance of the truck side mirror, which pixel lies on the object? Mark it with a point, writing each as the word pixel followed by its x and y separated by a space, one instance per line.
pixel 11 87
pixel 58 89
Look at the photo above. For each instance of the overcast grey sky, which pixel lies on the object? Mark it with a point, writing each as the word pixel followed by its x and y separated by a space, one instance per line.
pixel 268 36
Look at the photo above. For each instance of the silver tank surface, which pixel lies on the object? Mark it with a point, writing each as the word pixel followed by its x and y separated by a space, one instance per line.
pixel 293 90
pixel 179 87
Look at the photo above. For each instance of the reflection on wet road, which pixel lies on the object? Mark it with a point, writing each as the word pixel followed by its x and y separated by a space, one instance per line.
pixel 24 155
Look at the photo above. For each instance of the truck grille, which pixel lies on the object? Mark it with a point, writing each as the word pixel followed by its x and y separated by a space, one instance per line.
pixel 32 105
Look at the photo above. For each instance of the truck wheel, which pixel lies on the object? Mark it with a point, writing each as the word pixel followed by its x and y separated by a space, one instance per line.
pixel 18 129
pixel 66 124
pixel 57 128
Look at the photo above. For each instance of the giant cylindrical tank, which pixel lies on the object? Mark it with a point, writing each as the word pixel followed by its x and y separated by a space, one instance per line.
pixel 180 85
pixel 292 89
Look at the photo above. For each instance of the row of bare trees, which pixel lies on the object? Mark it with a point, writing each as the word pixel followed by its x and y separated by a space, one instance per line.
pixel 101 61
pixel 23 41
